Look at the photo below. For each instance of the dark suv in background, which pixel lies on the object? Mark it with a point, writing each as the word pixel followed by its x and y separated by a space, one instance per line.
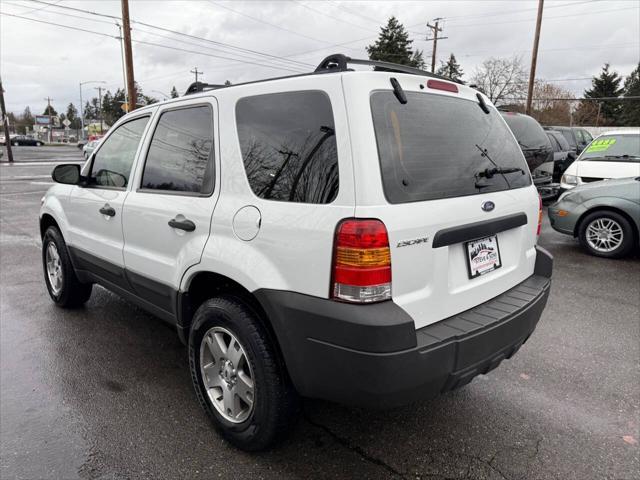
pixel 535 146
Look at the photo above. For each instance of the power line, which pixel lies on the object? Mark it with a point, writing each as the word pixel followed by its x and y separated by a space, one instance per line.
pixel 59 25
pixel 514 12
pixel 267 23
pixel 334 18
pixel 222 44
pixel 33 10
pixel 509 22
pixel 151 43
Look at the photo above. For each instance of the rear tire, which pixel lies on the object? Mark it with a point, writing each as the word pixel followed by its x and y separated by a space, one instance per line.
pixel 606 234
pixel 273 403
pixel 63 285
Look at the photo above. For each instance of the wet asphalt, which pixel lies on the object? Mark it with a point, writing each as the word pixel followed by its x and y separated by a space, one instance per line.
pixel 104 392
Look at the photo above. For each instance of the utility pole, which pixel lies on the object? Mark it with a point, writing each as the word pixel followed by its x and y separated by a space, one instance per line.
pixel 5 124
pixel 48 99
pixel 128 53
pixel 435 29
pixel 534 58
pixel 196 72
pixel 124 73
pixel 100 106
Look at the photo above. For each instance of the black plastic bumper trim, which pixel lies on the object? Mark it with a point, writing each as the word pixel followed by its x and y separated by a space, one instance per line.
pixel 471 231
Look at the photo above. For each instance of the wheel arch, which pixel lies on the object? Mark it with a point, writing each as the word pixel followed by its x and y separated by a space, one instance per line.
pixel 47 221
pixel 203 285
pixel 608 208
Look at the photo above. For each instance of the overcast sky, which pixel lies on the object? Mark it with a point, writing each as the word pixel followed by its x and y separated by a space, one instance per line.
pixel 40 60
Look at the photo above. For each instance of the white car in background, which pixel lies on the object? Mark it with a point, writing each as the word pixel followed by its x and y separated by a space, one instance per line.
pixel 614 154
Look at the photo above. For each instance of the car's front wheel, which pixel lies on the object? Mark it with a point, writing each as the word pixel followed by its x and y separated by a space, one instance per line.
pixel 606 234
pixel 237 375
pixel 62 283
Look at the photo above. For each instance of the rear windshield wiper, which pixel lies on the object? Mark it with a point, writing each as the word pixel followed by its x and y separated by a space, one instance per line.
pixel 490 172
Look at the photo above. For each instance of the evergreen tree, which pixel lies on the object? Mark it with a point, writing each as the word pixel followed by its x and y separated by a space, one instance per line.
pixel 49 110
pixel 174 92
pixel 27 117
pixel 227 82
pixel 606 85
pixel 72 116
pixel 451 68
pixel 631 108
pixel 393 45
pixel 88 111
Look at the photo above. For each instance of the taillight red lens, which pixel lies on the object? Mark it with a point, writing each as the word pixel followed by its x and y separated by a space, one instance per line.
pixel 539 216
pixel 440 85
pixel 361 262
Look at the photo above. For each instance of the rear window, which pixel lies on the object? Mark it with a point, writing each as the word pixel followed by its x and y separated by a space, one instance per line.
pixel 430 148
pixel 527 131
pixel 288 144
pixel 615 148
pixel 559 138
pixel 568 135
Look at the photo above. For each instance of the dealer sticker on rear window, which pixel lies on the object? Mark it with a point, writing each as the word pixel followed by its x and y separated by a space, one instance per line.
pixel 483 256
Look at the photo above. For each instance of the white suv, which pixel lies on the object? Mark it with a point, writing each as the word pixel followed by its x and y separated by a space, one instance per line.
pixel 365 237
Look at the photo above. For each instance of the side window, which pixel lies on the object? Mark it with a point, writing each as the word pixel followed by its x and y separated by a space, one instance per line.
pixel 113 161
pixel 587 136
pixel 288 145
pixel 180 156
pixel 554 143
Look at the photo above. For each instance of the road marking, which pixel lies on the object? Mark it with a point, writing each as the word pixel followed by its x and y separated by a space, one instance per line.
pixel 24 177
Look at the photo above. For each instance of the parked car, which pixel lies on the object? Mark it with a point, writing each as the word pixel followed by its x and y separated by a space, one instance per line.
pixel 325 244
pixel 3 138
pixel 563 156
pixel 614 154
pixel 534 143
pixel 604 216
pixel 583 138
pixel 26 141
pixel 88 149
pixel 572 136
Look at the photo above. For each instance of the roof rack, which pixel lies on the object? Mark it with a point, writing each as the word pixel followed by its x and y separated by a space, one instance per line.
pixel 340 63
pixel 331 64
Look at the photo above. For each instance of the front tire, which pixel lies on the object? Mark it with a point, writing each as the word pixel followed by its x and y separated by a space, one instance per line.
pixel 63 285
pixel 606 234
pixel 237 375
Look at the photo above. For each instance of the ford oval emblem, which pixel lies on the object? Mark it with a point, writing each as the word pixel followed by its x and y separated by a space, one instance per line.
pixel 488 206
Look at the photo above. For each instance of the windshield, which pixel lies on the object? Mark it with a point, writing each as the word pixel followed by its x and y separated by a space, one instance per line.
pixel 615 148
pixel 435 146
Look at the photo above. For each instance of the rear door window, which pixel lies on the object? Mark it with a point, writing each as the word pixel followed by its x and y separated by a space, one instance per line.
pixel 288 145
pixel 180 157
pixel 434 147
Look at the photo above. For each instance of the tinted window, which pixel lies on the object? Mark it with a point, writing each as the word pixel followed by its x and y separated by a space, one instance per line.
pixel 288 146
pixel 180 157
pixel 527 131
pixel 112 163
pixel 568 135
pixel 430 147
pixel 554 142
pixel 615 148
pixel 564 145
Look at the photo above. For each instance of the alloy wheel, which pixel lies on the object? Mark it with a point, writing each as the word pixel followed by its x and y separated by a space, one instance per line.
pixel 604 235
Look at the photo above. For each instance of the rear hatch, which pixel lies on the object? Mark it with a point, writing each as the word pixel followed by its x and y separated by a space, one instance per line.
pixel 459 234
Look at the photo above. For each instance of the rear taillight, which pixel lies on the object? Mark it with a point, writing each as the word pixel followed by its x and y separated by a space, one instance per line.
pixel 539 216
pixel 361 262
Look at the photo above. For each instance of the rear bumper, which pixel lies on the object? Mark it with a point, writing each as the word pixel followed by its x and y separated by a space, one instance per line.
pixel 372 355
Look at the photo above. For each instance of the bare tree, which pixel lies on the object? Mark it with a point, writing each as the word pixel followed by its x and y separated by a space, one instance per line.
pixel 551 105
pixel 501 79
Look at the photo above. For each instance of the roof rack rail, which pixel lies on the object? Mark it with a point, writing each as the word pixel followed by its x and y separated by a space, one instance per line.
pixel 331 64
pixel 340 63
pixel 196 87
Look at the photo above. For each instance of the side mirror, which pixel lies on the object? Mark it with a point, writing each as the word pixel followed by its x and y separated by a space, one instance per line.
pixel 69 174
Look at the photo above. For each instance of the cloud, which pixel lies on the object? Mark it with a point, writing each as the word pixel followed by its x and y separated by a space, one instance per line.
pixel 38 60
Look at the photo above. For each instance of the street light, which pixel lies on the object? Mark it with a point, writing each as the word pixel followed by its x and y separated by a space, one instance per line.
pixel 81 107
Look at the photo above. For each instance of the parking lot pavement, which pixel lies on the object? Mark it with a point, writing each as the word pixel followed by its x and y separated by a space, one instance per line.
pixel 104 391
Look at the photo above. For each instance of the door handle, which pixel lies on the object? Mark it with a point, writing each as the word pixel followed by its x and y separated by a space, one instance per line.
pixel 108 210
pixel 186 225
